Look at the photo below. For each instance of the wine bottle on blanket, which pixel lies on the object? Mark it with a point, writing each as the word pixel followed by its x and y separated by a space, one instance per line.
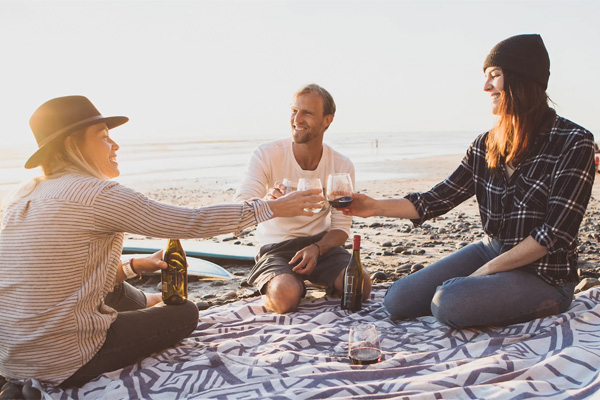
pixel 353 280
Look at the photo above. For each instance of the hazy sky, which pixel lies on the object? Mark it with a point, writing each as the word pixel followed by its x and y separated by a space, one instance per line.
pixel 214 69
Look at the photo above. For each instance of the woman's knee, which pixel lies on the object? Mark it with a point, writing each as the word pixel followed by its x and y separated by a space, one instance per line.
pixel 399 302
pixel 191 313
pixel 186 316
pixel 392 302
pixel 448 304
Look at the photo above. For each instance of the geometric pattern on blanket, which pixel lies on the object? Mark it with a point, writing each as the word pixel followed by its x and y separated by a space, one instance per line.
pixel 241 351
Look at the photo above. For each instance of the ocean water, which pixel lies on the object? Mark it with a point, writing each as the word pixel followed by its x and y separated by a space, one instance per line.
pixel 224 161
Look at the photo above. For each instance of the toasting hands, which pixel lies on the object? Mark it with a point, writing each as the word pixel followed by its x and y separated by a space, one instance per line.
pixel 277 191
pixel 296 203
pixel 361 206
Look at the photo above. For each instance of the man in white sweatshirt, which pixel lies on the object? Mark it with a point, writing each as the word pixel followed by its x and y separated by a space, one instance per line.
pixel 296 249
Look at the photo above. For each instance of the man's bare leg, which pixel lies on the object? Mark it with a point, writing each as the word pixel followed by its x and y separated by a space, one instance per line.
pixel 283 294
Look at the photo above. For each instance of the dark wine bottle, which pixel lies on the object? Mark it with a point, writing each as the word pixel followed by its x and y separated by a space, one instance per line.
pixel 353 280
pixel 174 277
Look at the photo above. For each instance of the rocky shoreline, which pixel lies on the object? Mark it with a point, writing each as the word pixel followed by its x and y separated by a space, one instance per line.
pixel 391 248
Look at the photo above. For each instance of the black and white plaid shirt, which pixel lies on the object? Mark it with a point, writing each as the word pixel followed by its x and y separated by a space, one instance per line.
pixel 545 198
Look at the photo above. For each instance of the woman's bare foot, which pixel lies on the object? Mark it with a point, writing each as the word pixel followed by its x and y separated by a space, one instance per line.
pixel 153 299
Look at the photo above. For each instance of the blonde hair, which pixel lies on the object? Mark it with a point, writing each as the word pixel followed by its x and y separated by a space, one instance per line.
pixel 64 158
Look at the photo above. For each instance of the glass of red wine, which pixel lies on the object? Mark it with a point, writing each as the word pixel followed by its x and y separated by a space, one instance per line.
pixel 339 190
pixel 363 345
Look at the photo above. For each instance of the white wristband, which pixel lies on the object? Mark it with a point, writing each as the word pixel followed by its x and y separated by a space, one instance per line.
pixel 128 270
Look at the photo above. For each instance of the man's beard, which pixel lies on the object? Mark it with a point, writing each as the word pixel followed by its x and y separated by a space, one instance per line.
pixel 303 137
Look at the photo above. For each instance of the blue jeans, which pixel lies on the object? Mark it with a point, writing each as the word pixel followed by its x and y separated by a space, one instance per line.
pixel 445 290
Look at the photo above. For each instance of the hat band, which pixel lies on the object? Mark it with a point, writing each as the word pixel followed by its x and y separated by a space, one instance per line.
pixel 68 128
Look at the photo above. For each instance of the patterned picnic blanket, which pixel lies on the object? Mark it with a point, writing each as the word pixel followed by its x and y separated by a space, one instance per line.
pixel 241 351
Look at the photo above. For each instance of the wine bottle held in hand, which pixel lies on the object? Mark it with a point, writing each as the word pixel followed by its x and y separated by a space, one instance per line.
pixel 353 280
pixel 174 277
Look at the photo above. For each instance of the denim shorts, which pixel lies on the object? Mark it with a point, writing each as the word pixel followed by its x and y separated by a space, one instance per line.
pixel 273 259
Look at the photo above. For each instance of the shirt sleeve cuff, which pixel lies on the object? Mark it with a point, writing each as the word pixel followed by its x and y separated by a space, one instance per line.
pixel 545 236
pixel 417 200
pixel 261 208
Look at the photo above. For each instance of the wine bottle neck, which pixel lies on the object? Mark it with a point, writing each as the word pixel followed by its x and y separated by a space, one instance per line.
pixel 356 243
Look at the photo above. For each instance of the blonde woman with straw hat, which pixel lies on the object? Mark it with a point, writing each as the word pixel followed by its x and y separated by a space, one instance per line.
pixel 67 314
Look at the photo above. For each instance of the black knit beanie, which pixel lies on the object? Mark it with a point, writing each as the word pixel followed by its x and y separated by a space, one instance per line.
pixel 523 54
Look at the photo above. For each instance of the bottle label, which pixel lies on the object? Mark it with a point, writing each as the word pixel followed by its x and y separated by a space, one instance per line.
pixel 349 288
pixel 349 292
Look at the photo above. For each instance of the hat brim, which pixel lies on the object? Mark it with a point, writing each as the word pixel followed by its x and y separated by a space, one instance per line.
pixel 36 159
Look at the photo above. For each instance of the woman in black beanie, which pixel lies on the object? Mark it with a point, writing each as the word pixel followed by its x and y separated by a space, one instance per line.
pixel 532 175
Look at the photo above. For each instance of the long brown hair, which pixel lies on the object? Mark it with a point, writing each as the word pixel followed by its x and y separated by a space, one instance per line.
pixel 524 113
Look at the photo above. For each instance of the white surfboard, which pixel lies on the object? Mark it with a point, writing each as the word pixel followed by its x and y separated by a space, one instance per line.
pixel 193 248
pixel 196 267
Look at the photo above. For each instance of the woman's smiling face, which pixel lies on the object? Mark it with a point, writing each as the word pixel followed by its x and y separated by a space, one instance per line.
pixel 100 150
pixel 494 85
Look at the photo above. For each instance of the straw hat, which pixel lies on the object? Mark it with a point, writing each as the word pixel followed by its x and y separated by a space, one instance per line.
pixel 58 118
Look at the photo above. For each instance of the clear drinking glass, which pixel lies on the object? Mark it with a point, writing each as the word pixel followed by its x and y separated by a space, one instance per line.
pixel 311 183
pixel 363 345
pixel 290 186
pixel 339 190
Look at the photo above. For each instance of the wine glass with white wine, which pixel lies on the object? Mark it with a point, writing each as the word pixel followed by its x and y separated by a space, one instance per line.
pixel 290 186
pixel 311 183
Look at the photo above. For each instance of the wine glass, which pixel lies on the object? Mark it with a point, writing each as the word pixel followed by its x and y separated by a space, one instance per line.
pixel 311 183
pixel 290 186
pixel 339 190
pixel 363 345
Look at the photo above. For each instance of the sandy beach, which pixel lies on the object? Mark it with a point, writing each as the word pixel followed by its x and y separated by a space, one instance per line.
pixel 391 248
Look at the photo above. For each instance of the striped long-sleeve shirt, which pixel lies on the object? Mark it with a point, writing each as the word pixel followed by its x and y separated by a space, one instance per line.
pixel 546 196
pixel 59 253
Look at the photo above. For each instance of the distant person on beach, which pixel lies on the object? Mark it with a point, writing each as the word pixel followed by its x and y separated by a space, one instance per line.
pixel 532 175
pixel 67 314
pixel 293 250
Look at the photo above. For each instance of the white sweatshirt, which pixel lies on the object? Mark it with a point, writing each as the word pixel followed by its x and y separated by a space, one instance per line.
pixel 274 161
